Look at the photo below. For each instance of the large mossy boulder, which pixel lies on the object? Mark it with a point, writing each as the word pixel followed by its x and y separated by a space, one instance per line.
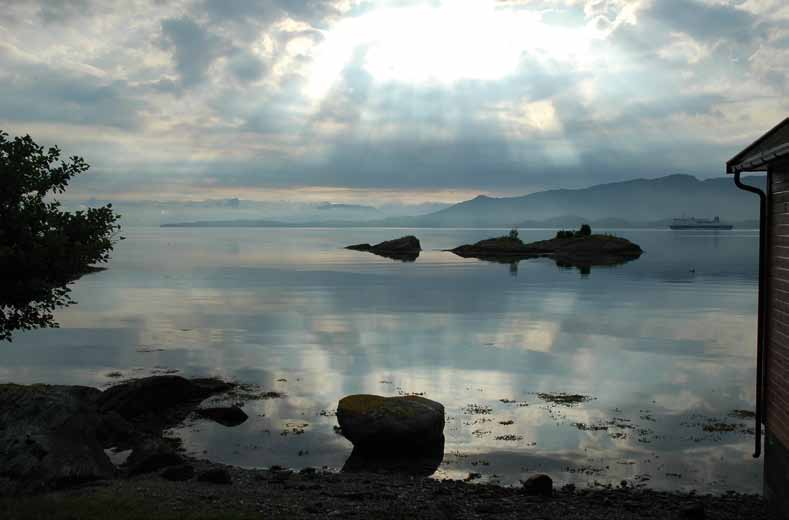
pixel 408 423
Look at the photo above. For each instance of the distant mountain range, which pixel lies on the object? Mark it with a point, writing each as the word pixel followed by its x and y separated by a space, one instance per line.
pixel 634 203
pixel 328 206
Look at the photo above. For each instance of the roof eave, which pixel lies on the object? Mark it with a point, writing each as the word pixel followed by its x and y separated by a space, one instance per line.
pixel 747 159
pixel 757 162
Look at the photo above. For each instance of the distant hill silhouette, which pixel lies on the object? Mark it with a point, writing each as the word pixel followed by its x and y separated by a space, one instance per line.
pixel 634 203
pixel 615 204
pixel 328 206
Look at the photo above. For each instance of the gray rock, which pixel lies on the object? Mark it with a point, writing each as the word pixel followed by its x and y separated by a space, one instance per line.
pixel 404 248
pixel 375 423
pixel 359 247
pixel 48 436
pixel 539 484
pixel 178 473
pixel 225 415
pixel 215 476
pixel 693 511
pixel 152 455
pixel 406 244
pixel 146 398
pixel 55 436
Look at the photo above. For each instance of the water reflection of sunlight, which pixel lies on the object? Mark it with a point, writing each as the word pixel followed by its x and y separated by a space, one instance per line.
pixel 463 332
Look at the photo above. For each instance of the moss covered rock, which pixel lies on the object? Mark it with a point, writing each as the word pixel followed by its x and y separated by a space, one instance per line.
pixel 375 423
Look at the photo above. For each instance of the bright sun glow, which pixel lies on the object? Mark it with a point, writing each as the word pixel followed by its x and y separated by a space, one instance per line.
pixel 444 44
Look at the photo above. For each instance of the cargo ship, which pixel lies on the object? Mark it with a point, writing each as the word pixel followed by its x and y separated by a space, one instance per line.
pixel 699 223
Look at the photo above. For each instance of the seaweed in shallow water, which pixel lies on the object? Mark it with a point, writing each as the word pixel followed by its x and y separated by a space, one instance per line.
pixel 564 399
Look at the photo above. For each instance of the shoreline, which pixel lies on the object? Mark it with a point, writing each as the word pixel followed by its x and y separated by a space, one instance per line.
pixel 63 430
pixel 275 493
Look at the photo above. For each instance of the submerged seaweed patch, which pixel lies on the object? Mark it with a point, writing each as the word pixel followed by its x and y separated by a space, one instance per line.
pixel 249 392
pixel 509 437
pixel 591 427
pixel 475 409
pixel 742 414
pixel 564 399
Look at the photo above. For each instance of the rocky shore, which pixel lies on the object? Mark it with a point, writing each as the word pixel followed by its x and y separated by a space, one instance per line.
pixel 311 494
pixel 61 447
pixel 54 436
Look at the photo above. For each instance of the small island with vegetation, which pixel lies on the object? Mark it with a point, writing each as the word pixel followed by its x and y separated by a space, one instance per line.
pixel 574 248
pixel 405 248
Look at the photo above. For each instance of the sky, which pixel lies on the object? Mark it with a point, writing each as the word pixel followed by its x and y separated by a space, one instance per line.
pixel 391 101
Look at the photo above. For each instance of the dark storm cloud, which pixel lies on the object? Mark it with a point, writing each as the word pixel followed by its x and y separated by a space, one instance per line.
pixel 264 12
pixel 245 66
pixel 479 154
pixel 58 11
pixel 480 164
pixel 703 21
pixel 782 42
pixel 38 92
pixel 49 11
pixel 194 48
pixel 236 88
pixel 688 104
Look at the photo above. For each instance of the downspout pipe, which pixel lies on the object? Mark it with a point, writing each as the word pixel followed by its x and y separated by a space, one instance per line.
pixel 762 308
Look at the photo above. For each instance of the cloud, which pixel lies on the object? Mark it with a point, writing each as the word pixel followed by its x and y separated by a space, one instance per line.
pixel 37 92
pixel 246 66
pixel 703 21
pixel 317 13
pixel 194 48
pixel 277 94
pixel 58 11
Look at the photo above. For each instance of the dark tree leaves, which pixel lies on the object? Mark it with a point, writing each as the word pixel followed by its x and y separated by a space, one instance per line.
pixel 42 247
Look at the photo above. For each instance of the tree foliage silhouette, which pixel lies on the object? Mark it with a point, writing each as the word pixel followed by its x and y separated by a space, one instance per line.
pixel 42 247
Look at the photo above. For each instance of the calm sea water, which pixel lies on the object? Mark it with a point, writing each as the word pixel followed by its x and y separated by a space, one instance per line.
pixel 663 346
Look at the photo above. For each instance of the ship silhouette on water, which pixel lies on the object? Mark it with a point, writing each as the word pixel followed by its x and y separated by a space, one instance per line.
pixel 699 223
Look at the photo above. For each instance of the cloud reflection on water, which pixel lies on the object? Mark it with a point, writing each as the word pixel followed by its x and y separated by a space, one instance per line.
pixel 291 304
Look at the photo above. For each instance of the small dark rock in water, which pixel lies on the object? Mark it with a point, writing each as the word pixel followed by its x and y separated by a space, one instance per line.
pixel 539 484
pixel 359 247
pixel 152 455
pixel 404 423
pixel 405 248
pixel 225 415
pixel 694 511
pixel 178 473
pixel 215 476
